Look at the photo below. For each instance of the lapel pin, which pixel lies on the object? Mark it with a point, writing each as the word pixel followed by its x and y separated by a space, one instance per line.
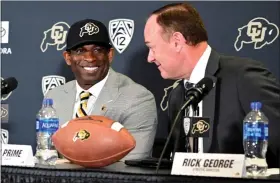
pixel 103 108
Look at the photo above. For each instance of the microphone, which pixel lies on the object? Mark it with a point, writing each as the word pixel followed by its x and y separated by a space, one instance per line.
pixel 194 96
pixel 197 93
pixel 8 85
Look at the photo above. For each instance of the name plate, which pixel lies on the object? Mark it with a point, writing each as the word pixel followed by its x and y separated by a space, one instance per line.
pixel 208 164
pixel 17 155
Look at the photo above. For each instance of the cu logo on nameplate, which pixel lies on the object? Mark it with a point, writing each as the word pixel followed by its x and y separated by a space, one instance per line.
pixel 50 82
pixel 121 32
pixel 55 36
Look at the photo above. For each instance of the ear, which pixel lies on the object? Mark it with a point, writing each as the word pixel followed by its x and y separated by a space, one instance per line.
pixel 67 57
pixel 178 40
pixel 111 54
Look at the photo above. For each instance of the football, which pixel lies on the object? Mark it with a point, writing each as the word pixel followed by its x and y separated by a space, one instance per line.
pixel 93 141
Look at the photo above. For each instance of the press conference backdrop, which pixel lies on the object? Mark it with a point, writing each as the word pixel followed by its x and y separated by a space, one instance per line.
pixel 33 39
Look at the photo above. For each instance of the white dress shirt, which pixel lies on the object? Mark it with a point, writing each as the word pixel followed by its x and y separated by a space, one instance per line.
pixel 197 74
pixel 94 90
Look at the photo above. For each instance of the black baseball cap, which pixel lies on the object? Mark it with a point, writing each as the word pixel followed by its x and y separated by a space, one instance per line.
pixel 87 31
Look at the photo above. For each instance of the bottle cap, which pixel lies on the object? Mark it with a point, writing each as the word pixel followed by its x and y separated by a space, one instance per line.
pixel 256 105
pixel 48 101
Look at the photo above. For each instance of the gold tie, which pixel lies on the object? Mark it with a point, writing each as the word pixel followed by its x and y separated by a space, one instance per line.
pixel 84 96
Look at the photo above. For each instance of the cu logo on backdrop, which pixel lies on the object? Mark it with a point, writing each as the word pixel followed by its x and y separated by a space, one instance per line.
pixel 55 36
pixel 121 32
pixel 50 82
pixel 4 112
pixel 167 91
pixel 259 31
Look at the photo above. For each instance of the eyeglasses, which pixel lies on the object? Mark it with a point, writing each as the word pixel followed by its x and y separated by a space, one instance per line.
pixel 96 51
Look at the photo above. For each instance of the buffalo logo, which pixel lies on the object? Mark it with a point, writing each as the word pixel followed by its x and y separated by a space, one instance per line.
pixel 4 31
pixel 4 112
pixel 89 28
pixel 82 135
pixel 121 32
pixel 5 97
pixel 56 35
pixel 201 126
pixel 50 82
pixel 164 100
pixel 259 31
pixel 4 136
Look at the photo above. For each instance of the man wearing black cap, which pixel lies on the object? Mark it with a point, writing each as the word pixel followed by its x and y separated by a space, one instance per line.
pixel 99 90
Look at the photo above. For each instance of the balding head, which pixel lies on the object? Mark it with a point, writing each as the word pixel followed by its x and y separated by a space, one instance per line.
pixel 176 39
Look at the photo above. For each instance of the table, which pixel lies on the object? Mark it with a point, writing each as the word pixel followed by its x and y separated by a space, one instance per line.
pixel 115 173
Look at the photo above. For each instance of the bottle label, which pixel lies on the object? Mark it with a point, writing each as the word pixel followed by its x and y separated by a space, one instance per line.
pixel 37 125
pixel 255 131
pixel 49 125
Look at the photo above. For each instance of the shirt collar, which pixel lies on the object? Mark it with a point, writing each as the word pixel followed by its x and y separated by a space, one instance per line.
pixel 199 70
pixel 94 90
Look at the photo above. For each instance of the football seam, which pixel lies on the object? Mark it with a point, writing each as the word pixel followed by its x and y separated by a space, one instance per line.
pixel 99 159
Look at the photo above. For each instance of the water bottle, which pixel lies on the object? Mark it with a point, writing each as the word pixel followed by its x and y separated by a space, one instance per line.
pixel 255 140
pixel 47 123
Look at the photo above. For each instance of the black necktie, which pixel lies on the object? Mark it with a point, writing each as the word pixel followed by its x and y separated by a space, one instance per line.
pixel 189 85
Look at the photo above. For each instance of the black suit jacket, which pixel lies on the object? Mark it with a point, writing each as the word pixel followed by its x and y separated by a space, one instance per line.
pixel 238 82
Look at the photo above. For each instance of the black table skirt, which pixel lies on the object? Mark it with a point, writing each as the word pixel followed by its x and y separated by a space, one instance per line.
pixel 115 174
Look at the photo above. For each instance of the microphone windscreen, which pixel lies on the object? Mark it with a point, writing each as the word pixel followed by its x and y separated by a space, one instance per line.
pixel 12 83
pixel 206 84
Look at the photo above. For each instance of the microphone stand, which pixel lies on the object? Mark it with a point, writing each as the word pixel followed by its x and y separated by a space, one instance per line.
pixel 194 113
pixel 186 104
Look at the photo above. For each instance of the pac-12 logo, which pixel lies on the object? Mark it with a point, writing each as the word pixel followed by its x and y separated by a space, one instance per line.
pixel 121 32
pixel 259 31
pixel 56 35
pixel 50 82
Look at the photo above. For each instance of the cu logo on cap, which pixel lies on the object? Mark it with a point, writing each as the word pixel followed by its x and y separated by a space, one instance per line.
pixel 56 35
pixel 89 28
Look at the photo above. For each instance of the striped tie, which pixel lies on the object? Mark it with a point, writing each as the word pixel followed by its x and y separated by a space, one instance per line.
pixel 84 96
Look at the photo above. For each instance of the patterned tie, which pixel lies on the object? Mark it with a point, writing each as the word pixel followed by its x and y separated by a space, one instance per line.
pixel 84 96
